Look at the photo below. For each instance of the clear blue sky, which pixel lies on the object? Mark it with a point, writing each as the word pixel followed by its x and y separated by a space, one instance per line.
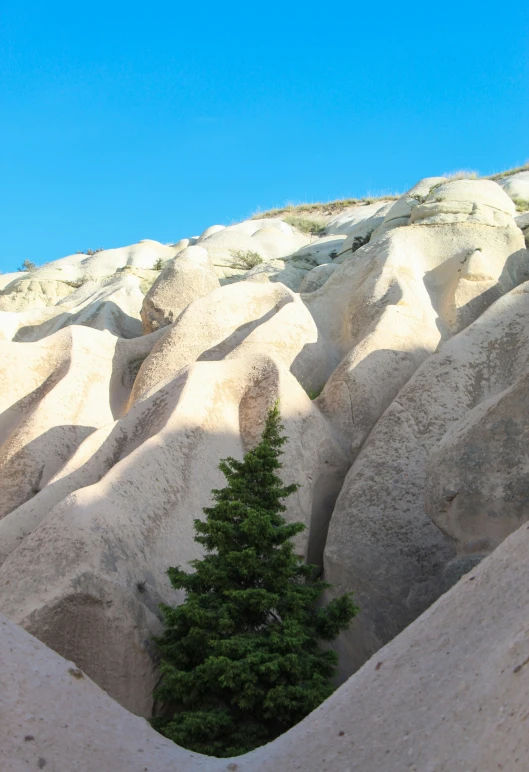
pixel 122 121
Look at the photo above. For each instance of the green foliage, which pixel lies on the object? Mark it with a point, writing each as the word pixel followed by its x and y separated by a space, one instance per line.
pixel 313 227
pixel 314 393
pixel 27 265
pixel 158 265
pixel 245 259
pixel 240 657
pixel 521 204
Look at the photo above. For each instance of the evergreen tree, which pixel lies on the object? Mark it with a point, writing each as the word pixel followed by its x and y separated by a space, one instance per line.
pixel 240 657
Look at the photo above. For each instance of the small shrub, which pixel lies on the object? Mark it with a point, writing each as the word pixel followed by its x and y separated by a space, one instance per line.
pixel 306 224
pixel 245 259
pixel 27 265
pixel 89 251
pixel 521 204
pixel 360 241
pixel 158 265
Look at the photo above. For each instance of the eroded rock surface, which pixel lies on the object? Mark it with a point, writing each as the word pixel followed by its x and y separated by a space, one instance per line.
pixel 409 316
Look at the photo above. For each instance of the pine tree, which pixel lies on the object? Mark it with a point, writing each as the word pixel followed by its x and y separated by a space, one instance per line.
pixel 241 661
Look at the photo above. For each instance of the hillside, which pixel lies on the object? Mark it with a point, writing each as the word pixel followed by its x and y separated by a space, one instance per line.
pixel 395 333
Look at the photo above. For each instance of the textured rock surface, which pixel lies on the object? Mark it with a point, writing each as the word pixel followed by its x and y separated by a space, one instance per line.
pixel 381 540
pixel 190 275
pixel 516 185
pixel 412 460
pixel 449 693
pixel 123 511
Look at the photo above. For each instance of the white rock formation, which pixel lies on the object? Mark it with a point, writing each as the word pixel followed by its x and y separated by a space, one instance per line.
pixel 516 185
pixel 412 461
pixel 449 693
pixel 188 276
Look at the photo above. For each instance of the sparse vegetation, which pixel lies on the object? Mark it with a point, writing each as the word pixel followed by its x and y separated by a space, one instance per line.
pixel 245 259
pixel 27 266
pixel 508 172
pixel 241 661
pixel 325 209
pixel 314 393
pixel 461 174
pixel 312 227
pixel 158 265
pixel 521 204
pixel 90 251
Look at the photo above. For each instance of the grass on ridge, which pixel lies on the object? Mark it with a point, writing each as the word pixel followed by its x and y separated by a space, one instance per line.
pixel 508 172
pixel 312 227
pixel 324 207
pixel 521 204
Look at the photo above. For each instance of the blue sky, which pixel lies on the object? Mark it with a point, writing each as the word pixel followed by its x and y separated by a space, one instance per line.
pixel 122 121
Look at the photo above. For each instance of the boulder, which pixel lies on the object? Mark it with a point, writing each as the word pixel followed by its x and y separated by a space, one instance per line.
pixel 183 279
pixel 458 201
pixel 317 278
pixel 516 185
pixel 400 212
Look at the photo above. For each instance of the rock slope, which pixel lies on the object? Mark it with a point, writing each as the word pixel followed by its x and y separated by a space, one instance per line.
pixel 449 694
pixel 396 340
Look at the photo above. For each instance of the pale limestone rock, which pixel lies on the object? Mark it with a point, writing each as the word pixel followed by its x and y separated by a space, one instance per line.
pixel 111 304
pixel 321 251
pixel 252 226
pixel 131 514
pixel 25 293
pixel 264 317
pixel 79 268
pixel 400 212
pixel 260 237
pixel 449 693
pixel 516 185
pixel 74 382
pixel 210 231
pixel 317 277
pixel 361 233
pixel 472 201
pixel 290 273
pixel 350 218
pixel 7 278
pixel 189 276
pixel 386 308
pixel 381 541
pixel 477 487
